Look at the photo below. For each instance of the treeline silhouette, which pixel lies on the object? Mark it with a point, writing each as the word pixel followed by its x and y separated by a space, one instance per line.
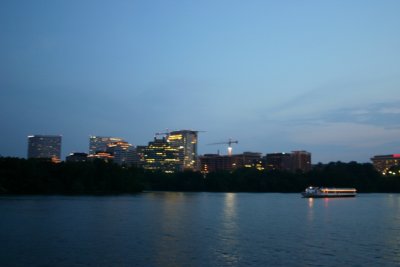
pixel 21 176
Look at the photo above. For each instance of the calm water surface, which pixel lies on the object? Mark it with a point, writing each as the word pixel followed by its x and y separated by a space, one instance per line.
pixel 200 229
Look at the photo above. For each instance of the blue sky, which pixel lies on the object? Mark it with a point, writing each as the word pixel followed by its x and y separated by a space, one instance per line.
pixel 321 76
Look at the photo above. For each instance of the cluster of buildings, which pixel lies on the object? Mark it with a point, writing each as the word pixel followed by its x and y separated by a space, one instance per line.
pixel 387 164
pixel 292 162
pixel 169 152
pixel 176 151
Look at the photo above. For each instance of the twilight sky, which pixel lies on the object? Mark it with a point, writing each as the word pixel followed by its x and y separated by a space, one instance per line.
pixel 321 76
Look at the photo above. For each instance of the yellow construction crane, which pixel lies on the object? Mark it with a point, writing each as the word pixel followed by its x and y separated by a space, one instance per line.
pixel 229 143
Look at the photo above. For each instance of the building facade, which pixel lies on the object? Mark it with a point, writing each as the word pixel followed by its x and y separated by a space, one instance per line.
pixel 292 162
pixel 160 155
pixel 77 157
pixel 215 162
pixel 278 161
pixel 104 156
pixel 383 163
pixel 185 141
pixel 100 143
pixel 45 147
pixel 301 161
pixel 123 153
pixel 175 152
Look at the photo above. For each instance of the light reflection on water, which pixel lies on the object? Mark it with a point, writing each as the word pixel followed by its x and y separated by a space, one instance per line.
pixel 228 232
pixel 310 212
pixel 200 229
pixel 166 244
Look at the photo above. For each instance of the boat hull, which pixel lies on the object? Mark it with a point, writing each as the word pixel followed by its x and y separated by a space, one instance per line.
pixel 326 196
pixel 325 192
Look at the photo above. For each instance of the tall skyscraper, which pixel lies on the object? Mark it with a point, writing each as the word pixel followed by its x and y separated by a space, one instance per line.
pixel 160 155
pixel 45 147
pixel 301 160
pixel 100 143
pixel 185 141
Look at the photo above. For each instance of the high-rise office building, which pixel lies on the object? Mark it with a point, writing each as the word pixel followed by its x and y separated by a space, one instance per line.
pixel 279 161
pixel 123 152
pixel 301 161
pixel 45 147
pixel 160 155
pixel 140 156
pixel 383 163
pixel 100 143
pixel 185 141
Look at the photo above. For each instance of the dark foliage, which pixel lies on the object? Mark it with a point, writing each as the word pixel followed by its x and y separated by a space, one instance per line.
pixel 336 174
pixel 20 176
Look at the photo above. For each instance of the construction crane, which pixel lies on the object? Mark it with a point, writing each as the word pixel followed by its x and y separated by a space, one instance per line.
pixel 229 143
pixel 166 133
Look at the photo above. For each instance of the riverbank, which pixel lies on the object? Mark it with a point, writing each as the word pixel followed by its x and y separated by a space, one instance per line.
pixel 21 176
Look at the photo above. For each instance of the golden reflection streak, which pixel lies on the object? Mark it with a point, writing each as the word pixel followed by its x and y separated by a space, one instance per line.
pixel 310 214
pixel 168 251
pixel 229 209
pixel 310 202
pixel 229 231
pixel 326 202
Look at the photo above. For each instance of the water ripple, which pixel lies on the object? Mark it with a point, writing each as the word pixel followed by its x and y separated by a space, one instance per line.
pixel 200 229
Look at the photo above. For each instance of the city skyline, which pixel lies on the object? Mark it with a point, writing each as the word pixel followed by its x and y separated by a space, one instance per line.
pixel 174 151
pixel 276 76
pixel 222 149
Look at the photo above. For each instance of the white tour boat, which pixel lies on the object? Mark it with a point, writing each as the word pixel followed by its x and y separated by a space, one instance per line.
pixel 322 192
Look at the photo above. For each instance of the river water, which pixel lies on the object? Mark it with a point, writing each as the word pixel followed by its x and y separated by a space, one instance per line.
pixel 200 229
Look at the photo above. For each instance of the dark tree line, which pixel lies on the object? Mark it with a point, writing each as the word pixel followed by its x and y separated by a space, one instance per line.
pixel 336 174
pixel 21 176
